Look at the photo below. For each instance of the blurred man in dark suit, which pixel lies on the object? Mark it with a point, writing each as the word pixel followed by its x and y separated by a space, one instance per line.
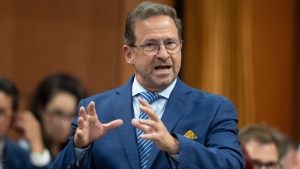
pixel 11 155
pixel 261 146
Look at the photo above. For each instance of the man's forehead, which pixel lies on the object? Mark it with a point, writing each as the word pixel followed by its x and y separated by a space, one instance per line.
pixel 264 152
pixel 154 27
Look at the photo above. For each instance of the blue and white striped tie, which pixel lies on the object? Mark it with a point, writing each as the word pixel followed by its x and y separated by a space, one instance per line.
pixel 144 146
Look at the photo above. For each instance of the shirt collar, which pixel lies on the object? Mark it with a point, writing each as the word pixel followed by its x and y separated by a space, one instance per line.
pixel 138 88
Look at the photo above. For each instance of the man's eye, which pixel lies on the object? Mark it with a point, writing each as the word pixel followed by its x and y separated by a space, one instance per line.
pixel 149 44
pixel 170 43
pixel 271 165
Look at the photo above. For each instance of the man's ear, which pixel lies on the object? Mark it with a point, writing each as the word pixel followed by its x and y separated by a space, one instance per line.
pixel 127 51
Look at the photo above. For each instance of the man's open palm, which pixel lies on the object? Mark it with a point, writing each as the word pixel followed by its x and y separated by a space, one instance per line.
pixel 90 128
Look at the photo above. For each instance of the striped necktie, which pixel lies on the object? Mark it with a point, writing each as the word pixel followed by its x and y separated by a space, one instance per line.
pixel 144 146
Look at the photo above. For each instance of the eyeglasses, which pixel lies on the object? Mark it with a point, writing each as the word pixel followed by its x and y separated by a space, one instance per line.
pixel 152 48
pixel 270 165
pixel 58 115
pixel 3 115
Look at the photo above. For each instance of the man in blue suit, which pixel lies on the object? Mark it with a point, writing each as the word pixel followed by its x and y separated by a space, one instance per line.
pixel 182 128
pixel 12 156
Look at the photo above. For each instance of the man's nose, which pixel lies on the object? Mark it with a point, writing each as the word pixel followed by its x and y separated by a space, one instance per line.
pixel 162 51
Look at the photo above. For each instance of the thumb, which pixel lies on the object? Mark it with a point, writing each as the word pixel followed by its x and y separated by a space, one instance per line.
pixel 113 124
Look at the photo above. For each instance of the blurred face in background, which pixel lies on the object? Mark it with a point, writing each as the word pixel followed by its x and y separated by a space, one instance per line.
pixel 264 156
pixel 57 117
pixel 6 113
pixel 291 159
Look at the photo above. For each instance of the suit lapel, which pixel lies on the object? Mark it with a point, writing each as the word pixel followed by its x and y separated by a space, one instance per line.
pixel 176 105
pixel 174 110
pixel 123 109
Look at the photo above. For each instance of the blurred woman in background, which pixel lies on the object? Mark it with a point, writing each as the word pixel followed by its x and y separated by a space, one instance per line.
pixel 47 126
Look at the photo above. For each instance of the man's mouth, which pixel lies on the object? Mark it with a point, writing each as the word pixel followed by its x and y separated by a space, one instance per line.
pixel 162 67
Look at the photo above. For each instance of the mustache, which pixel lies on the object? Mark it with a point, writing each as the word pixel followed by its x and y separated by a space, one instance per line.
pixel 158 62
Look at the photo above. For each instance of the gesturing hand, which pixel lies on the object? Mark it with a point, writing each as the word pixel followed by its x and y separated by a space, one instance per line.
pixel 90 128
pixel 155 130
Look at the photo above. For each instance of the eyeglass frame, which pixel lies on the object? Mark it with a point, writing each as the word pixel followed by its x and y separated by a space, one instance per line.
pixel 4 116
pixel 259 164
pixel 158 46
pixel 57 114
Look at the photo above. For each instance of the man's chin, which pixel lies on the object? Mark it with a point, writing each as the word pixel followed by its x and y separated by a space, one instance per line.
pixel 163 80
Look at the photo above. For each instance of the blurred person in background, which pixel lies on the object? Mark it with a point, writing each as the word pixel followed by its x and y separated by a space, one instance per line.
pixel 248 160
pixel 47 126
pixel 261 146
pixel 288 151
pixel 12 156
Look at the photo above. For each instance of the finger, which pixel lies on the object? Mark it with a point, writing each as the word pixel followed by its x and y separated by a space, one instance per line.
pixel 79 131
pixel 113 124
pixel 148 109
pixel 138 125
pixel 144 102
pixel 82 113
pixel 78 135
pixel 150 123
pixel 80 123
pixel 151 113
pixel 149 136
pixel 91 108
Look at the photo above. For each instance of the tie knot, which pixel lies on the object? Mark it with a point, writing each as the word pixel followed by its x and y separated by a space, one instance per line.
pixel 149 97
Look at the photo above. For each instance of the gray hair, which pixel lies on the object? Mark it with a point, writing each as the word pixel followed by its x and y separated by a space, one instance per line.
pixel 284 143
pixel 144 11
pixel 260 133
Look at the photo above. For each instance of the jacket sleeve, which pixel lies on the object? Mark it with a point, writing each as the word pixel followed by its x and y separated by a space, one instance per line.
pixel 67 158
pixel 221 148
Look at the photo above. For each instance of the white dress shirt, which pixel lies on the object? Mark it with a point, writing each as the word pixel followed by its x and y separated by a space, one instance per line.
pixel 158 106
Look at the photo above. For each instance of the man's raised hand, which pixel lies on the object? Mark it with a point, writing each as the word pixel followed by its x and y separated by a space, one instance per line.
pixel 90 128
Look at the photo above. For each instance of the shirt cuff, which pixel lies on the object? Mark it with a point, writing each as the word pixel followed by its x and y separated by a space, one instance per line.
pixel 81 155
pixel 174 158
pixel 40 160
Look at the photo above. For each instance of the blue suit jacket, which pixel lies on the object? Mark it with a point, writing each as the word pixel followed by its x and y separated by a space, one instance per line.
pixel 212 118
pixel 15 157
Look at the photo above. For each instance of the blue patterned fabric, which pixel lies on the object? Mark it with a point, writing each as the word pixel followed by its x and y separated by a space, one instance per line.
pixel 144 146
